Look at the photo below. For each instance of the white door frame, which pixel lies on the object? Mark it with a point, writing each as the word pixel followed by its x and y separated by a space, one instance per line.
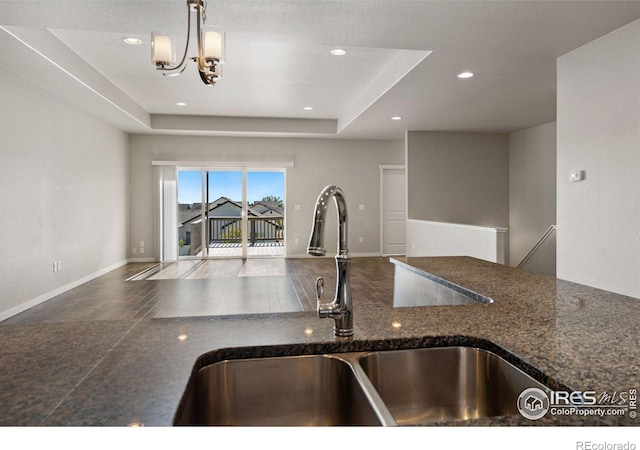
pixel 382 169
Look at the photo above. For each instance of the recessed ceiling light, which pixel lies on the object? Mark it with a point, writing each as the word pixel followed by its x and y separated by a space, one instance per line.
pixel 308 108
pixel 181 104
pixel 396 118
pixel 132 41
pixel 338 52
pixel 465 75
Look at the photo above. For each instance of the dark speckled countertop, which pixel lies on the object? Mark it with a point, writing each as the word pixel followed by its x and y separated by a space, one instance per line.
pixel 114 373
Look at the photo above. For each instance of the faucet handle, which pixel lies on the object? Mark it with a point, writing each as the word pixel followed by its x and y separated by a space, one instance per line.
pixel 319 288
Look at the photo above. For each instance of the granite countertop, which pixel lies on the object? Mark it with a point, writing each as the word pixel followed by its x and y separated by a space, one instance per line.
pixel 116 373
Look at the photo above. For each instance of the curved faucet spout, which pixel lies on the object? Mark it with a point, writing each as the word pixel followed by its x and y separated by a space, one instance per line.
pixel 316 241
pixel 340 309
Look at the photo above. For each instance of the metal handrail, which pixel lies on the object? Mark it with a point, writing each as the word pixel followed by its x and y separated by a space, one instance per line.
pixel 537 245
pixel 229 229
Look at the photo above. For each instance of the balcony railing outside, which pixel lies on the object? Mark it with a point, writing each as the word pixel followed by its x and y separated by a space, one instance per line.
pixel 228 230
pixel 261 229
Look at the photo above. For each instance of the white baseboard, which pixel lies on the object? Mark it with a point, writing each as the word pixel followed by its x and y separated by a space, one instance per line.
pixel 61 290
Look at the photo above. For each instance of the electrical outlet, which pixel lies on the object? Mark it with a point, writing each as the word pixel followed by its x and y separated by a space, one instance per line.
pixel 141 249
pixel 296 241
pixel 361 207
pixel 297 207
pixel 59 266
pixel 55 266
pixel 141 243
pixel 134 250
pixel 361 239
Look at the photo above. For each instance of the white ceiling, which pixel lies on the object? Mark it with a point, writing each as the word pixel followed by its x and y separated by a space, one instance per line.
pixel 402 59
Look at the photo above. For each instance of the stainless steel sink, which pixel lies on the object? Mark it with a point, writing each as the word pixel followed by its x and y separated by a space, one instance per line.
pixel 316 390
pixel 395 387
pixel 429 385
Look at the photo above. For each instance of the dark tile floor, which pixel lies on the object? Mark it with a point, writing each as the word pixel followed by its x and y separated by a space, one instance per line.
pixel 210 288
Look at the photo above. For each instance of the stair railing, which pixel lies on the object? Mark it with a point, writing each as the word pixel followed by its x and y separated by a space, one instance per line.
pixel 537 245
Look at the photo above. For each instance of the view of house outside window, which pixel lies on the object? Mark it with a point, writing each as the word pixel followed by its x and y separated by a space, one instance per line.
pixel 223 230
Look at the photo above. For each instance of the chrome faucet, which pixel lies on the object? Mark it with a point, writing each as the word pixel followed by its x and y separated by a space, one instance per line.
pixel 340 309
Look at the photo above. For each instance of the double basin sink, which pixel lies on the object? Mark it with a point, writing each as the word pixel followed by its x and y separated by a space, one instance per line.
pixel 385 388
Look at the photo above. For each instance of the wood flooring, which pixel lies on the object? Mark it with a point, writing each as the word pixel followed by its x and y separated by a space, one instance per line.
pixel 212 288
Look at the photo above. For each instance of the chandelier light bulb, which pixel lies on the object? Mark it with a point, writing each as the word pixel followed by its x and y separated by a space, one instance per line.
pixel 162 52
pixel 213 43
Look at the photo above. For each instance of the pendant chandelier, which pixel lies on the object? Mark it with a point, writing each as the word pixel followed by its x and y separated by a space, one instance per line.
pixel 211 47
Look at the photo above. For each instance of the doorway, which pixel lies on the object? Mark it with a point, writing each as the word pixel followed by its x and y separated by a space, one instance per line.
pixel 393 210
pixel 231 213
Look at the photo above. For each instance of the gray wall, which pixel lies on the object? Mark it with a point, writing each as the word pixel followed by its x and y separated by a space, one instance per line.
pixel 598 127
pixel 351 164
pixel 532 194
pixel 458 177
pixel 63 193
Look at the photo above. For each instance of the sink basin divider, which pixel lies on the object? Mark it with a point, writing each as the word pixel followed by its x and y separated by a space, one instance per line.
pixel 380 408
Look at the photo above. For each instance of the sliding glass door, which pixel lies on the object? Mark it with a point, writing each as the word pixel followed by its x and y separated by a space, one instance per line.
pixel 225 227
pixel 265 194
pixel 230 213
pixel 191 241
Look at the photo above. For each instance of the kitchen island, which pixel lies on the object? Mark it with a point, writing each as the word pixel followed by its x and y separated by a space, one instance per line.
pixel 124 372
